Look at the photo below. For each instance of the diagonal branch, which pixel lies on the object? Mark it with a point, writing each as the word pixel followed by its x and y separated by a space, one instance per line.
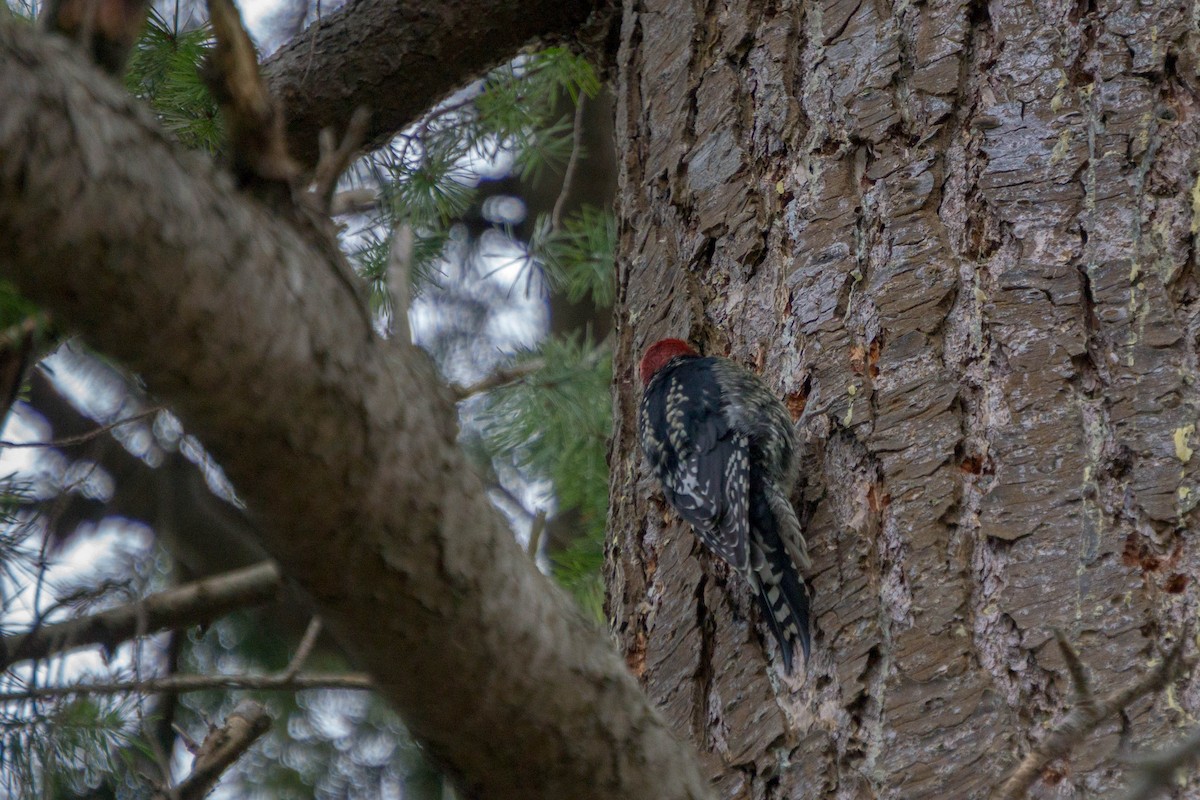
pixel 193 604
pixel 336 157
pixel 84 438
pixel 1087 712
pixel 501 377
pixel 182 684
pixel 224 745
pixel 253 120
pixel 343 446
pixel 1157 772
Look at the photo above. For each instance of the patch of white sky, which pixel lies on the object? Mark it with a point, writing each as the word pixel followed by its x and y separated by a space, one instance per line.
pixel 519 322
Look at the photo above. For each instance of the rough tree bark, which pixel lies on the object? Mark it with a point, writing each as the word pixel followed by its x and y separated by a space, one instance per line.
pixel 342 445
pixel 959 237
pixel 398 58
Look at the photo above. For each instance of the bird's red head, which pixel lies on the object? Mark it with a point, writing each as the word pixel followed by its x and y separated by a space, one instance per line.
pixel 658 354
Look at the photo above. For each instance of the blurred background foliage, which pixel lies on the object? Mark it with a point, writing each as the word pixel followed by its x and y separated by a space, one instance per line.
pixel 505 188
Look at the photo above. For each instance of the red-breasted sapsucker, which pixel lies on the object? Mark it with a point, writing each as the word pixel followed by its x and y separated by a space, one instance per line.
pixel 724 448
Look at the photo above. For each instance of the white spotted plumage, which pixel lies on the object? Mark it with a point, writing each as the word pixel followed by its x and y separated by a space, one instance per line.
pixel 723 447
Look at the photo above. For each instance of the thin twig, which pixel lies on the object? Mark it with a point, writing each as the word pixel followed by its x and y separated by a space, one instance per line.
pixel 335 159
pixel 572 163
pixel 399 280
pixel 307 642
pixel 506 496
pixel 220 749
pixel 83 438
pixel 1157 772
pixel 1082 719
pixel 180 607
pixel 353 201
pixel 182 684
pixel 1081 686
pixel 501 377
pixel 423 128
pixel 536 528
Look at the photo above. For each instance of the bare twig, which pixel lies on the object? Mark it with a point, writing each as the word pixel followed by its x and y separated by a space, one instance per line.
pixel 509 499
pixel 83 438
pixel 423 128
pixel 1081 687
pixel 335 159
pixel 307 643
pixel 501 377
pixel 1084 717
pixel 200 683
pixel 1156 772
pixel 353 201
pixel 536 528
pixel 572 163
pixel 191 604
pixel 220 749
pixel 399 280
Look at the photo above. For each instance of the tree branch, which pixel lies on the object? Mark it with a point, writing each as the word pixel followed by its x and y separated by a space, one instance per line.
pixel 420 51
pixel 192 604
pixel 220 749
pixel 1157 772
pixel 501 377
pixel 572 164
pixel 1086 713
pixel 181 684
pixel 337 156
pixel 252 117
pixel 342 445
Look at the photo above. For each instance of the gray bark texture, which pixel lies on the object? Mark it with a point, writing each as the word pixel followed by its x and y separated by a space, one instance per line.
pixel 342 445
pixel 959 239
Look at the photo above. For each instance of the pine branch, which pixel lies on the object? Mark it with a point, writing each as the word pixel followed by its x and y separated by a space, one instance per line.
pixel 182 684
pixel 336 157
pixel 243 324
pixel 220 749
pixel 399 279
pixel 192 604
pixel 1087 712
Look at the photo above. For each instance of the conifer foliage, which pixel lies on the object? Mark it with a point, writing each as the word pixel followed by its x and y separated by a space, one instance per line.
pixel 541 435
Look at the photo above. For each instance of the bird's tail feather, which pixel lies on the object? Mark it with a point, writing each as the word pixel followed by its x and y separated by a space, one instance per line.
pixel 785 605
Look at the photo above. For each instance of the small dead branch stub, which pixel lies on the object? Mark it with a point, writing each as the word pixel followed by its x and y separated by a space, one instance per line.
pixel 253 120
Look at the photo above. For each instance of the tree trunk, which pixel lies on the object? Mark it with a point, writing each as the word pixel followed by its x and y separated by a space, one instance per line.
pixel 343 446
pixel 958 239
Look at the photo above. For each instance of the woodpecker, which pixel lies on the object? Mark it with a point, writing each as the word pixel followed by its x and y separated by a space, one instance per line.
pixel 724 449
